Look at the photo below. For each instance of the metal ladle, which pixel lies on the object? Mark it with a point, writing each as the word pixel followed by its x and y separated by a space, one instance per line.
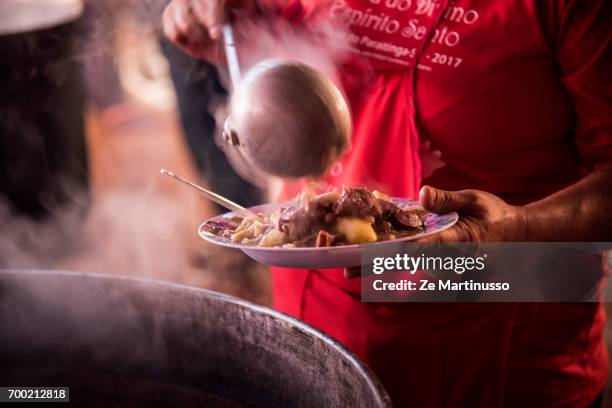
pixel 214 197
pixel 287 118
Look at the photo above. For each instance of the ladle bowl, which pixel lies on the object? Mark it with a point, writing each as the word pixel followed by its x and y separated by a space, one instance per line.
pixel 289 119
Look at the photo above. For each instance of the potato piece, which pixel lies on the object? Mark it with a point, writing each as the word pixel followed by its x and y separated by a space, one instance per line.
pixel 246 222
pixel 273 238
pixel 356 230
pixel 241 235
pixel 258 228
pixel 243 231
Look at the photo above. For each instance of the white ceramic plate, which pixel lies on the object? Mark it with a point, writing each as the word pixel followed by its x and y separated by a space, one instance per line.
pixel 320 258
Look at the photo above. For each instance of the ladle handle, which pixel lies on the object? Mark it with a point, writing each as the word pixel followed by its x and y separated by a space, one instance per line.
pixel 231 54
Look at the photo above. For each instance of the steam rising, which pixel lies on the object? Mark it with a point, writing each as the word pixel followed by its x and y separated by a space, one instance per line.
pixel 141 233
pixel 147 230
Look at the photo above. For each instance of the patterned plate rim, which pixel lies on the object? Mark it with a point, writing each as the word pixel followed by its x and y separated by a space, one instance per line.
pixel 452 218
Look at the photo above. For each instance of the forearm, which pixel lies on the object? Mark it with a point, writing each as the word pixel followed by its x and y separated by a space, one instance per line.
pixel 580 212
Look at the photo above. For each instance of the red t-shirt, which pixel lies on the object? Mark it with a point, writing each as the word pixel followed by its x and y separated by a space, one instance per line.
pixel 515 95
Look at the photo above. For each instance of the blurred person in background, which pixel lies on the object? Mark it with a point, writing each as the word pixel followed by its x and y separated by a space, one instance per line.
pixel 43 158
pixel 509 104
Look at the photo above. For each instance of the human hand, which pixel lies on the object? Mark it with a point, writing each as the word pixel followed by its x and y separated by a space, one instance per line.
pixel 196 26
pixel 483 217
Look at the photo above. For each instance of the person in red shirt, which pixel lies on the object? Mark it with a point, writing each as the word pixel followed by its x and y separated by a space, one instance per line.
pixel 503 111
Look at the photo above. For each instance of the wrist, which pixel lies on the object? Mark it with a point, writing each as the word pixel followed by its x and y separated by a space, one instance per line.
pixel 521 220
pixel 518 225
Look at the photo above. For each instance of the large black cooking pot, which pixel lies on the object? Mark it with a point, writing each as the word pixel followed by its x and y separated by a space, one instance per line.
pixel 43 161
pixel 131 342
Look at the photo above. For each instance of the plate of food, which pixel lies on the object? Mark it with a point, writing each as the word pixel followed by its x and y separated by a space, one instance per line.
pixel 324 231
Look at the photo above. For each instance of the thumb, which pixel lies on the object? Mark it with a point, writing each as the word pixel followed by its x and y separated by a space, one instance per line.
pixel 442 201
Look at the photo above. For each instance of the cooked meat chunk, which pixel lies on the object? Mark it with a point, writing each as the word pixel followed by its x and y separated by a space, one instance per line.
pixel 383 226
pixel 324 239
pixel 298 223
pixel 326 199
pixel 387 208
pixel 355 216
pixel 330 218
pixel 406 219
pixel 399 217
pixel 357 202
pixel 303 220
